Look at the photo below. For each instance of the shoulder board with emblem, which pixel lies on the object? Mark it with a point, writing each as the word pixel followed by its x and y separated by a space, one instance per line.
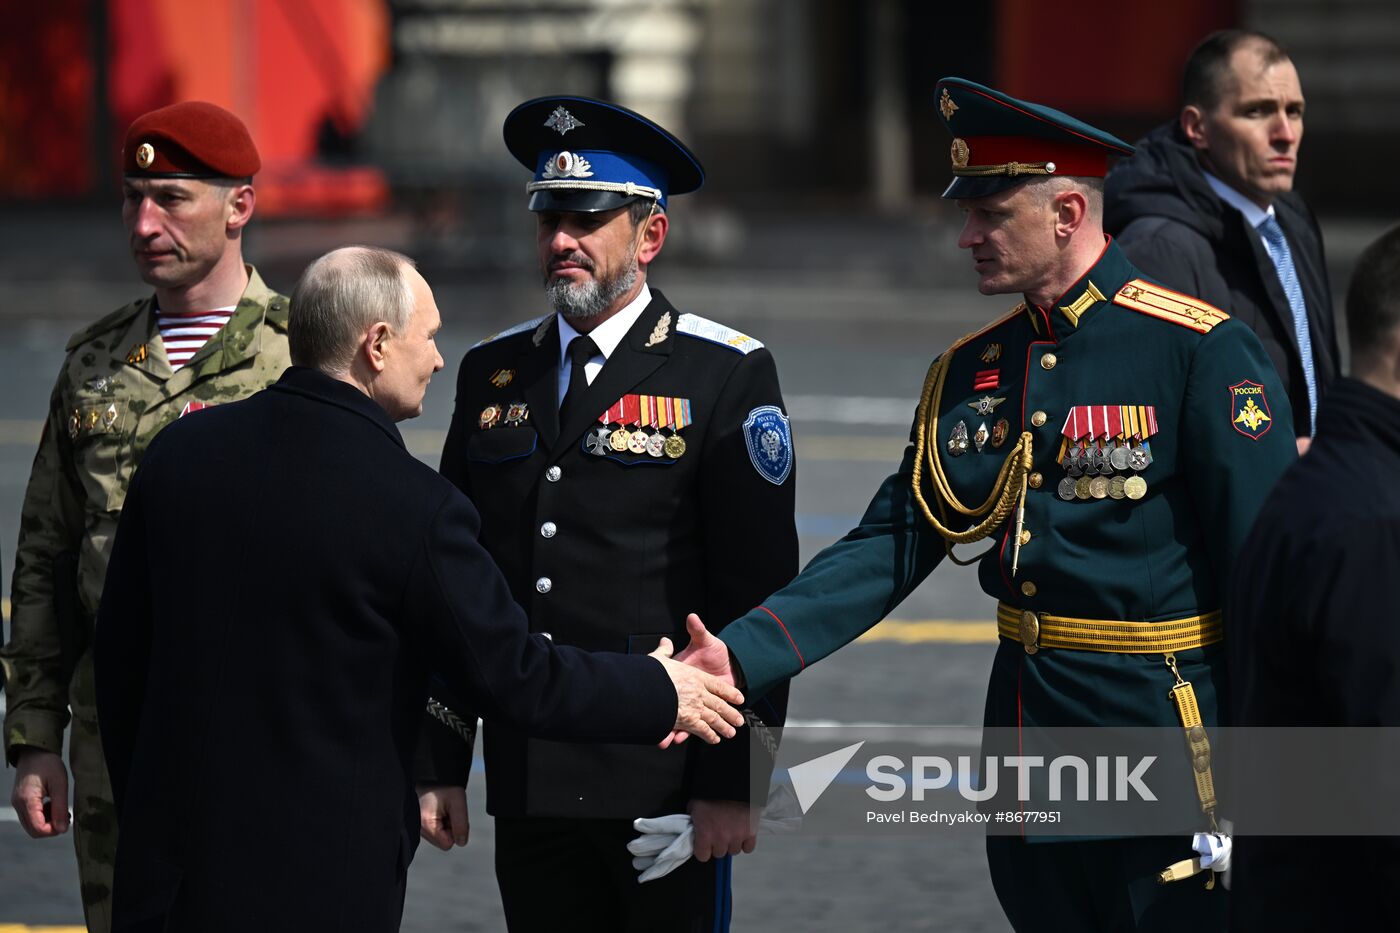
pixel 1152 299
pixel 705 329
pixel 512 331
pixel 1010 315
pixel 109 322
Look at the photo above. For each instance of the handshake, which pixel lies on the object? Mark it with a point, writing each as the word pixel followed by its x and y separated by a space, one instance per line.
pixel 706 692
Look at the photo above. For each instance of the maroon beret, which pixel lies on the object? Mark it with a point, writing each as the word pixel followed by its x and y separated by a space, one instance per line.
pixel 193 139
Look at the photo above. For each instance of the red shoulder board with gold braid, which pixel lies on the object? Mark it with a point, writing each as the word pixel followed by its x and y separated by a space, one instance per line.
pixel 1169 305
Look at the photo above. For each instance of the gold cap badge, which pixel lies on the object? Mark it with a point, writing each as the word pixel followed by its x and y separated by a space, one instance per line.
pixel 145 155
pixel 960 153
pixel 946 105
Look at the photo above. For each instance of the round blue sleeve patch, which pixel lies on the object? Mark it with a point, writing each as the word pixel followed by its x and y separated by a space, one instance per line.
pixel 769 439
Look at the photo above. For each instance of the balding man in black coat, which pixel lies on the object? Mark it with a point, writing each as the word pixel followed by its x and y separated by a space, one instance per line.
pixel 260 682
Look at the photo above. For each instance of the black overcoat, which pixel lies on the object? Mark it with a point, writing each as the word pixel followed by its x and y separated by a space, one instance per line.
pixel 284 571
pixel 611 552
pixel 1173 227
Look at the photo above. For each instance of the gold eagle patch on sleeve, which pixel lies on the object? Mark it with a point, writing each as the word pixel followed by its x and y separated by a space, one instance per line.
pixel 1159 302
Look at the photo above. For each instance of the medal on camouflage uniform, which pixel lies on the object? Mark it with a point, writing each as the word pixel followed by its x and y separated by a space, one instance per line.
pixel 980 436
pixel 489 416
pixel 957 441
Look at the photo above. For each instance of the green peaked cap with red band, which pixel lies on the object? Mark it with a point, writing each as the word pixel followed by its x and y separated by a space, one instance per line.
pixel 1000 142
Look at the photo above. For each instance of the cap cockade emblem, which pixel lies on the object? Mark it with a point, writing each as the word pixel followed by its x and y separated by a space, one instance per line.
pixel 145 155
pixel 562 121
pixel 946 105
pixel 568 165
pixel 960 153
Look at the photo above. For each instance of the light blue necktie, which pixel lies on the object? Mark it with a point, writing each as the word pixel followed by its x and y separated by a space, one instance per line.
pixel 1288 278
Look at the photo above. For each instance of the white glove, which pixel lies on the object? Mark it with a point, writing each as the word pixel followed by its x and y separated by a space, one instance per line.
pixel 666 842
pixel 1214 850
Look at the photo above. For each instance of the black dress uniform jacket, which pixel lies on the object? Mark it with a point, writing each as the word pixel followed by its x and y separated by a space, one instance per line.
pixel 1316 644
pixel 283 572
pixel 1173 227
pixel 609 553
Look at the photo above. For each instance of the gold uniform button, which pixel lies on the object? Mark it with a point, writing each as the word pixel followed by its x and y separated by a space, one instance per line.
pixel 1034 480
pixel 1028 588
pixel 1048 361
pixel 1038 419
pixel 1026 536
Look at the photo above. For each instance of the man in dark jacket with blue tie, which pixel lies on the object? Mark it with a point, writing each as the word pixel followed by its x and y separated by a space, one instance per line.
pixel 1206 206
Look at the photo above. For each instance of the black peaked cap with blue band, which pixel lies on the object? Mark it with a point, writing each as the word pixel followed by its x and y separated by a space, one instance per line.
pixel 590 155
pixel 1000 142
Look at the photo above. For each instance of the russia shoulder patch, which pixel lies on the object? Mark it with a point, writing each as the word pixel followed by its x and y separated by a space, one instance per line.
pixel 1249 410
pixel 769 438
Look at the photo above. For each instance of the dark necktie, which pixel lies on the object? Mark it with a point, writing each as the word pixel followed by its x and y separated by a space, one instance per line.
pixel 581 350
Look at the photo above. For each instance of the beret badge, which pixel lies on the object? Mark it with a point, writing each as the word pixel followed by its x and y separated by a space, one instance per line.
pixel 145 155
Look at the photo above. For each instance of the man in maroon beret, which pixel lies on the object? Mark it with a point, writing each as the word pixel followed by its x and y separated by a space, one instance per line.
pixel 211 332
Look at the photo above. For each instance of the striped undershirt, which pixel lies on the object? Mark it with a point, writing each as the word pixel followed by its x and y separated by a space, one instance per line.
pixel 184 334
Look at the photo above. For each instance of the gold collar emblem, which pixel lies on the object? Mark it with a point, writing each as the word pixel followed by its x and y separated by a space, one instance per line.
pixel 992 353
pixel 1076 308
pixel 502 378
pixel 137 354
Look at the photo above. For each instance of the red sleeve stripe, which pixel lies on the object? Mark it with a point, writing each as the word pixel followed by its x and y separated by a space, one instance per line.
pixel 800 659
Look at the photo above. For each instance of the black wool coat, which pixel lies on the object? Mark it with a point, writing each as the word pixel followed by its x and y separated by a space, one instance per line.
pixel 1314 643
pixel 1173 227
pixel 284 575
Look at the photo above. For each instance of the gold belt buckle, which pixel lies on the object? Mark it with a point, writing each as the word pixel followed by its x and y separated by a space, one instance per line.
pixel 1030 631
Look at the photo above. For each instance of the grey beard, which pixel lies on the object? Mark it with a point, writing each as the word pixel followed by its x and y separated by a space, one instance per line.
pixel 580 302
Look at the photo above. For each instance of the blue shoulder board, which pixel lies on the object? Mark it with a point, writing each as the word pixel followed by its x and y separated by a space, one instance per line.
pixel 511 332
pixel 705 329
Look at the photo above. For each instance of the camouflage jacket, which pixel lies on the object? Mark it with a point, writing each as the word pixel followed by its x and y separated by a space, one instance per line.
pixel 114 393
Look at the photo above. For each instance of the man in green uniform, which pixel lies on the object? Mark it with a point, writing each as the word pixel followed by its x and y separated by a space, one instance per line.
pixel 1114 441
pixel 211 333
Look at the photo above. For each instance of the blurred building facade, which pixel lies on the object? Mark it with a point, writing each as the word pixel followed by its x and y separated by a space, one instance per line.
pixel 359 105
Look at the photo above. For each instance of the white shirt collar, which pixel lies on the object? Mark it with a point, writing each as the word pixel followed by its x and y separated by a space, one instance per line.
pixel 1254 215
pixel 608 334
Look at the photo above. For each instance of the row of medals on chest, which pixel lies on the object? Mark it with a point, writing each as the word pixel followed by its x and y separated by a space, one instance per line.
pixel 600 439
pixel 624 427
pixel 1095 471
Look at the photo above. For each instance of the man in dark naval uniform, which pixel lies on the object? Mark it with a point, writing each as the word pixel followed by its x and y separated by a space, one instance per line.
pixel 631 462
pixel 1315 648
pixel 1114 440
